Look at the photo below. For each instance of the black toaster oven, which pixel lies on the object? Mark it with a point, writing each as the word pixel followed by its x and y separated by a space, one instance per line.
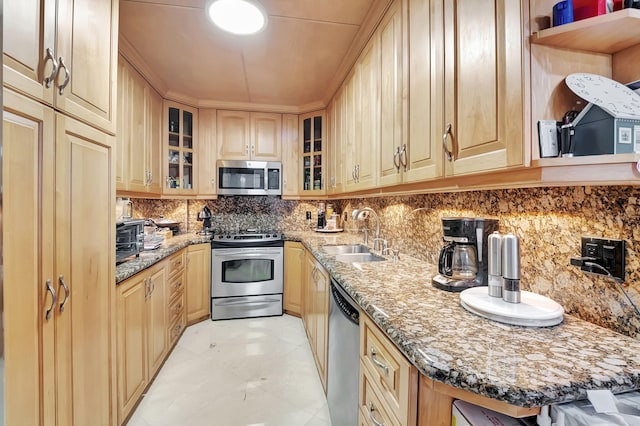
pixel 129 238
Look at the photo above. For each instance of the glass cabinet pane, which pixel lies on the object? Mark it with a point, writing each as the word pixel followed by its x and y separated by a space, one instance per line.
pixel 180 148
pixel 174 120
pixel 312 152
pixel 187 120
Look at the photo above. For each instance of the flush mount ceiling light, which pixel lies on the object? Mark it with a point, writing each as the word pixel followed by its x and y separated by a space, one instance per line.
pixel 241 17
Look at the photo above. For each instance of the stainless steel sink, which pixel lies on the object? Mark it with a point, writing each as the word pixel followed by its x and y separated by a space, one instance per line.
pixel 359 257
pixel 345 248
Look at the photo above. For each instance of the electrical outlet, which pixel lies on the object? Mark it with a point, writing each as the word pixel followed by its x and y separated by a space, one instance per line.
pixel 609 254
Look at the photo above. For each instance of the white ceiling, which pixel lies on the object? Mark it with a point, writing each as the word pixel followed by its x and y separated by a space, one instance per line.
pixel 298 60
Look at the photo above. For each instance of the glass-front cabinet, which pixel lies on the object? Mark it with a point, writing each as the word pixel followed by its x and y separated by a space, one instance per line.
pixel 180 149
pixel 313 153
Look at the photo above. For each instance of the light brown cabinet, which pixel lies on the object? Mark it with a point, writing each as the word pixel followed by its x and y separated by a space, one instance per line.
pixel 290 156
pixel 139 133
pixel 60 320
pixel 207 153
pixel 315 313
pixel 198 282
pixel 249 136
pixel 63 53
pixel 294 277
pixel 176 295
pixel 142 334
pixel 335 114
pixel 179 157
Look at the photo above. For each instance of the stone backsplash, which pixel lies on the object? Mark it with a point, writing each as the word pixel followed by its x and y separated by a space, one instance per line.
pixel 548 221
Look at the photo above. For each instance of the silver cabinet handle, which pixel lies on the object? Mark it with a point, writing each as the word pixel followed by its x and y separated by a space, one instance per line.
pixel 152 285
pixel 446 133
pixel 396 155
pixel 246 149
pixel 403 156
pixel 358 172
pixel 54 300
pixel 54 71
pixel 66 292
pixel 353 174
pixel 371 416
pixel 67 75
pixel 213 183
pixel 382 366
pixel 146 289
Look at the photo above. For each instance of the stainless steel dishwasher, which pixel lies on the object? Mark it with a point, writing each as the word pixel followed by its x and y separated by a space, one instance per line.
pixel 344 359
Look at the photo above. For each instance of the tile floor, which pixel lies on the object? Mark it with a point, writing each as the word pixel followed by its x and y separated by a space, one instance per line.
pixel 249 372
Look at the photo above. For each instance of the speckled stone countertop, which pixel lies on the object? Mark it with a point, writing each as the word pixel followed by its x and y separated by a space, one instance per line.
pixel 526 367
pixel 147 258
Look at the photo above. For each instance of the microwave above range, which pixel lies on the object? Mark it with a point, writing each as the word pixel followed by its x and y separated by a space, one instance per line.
pixel 249 177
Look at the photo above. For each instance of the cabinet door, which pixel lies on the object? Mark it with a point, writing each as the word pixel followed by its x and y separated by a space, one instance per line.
pixel 87 40
pixel 132 325
pixel 266 136
pixel 483 85
pixel 121 152
pixel 426 95
pixel 392 136
pixel 290 157
pixel 29 31
pixel 137 153
pixel 293 277
pixel 207 184
pixel 157 318
pixel 85 258
pixel 180 156
pixel 336 141
pixel 198 282
pixel 314 151
pixel 367 133
pixel 308 300
pixel 234 134
pixel 153 139
pixel 322 283
pixel 351 111
pixel 27 216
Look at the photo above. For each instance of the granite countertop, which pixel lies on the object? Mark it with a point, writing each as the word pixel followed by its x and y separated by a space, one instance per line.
pixel 147 258
pixel 527 367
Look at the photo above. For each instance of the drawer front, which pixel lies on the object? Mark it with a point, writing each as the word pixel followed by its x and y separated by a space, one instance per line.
pixel 176 263
pixel 176 328
pixel 394 377
pixel 373 411
pixel 176 308
pixel 176 286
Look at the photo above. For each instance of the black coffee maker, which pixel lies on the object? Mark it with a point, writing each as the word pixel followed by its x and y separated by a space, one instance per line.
pixel 463 260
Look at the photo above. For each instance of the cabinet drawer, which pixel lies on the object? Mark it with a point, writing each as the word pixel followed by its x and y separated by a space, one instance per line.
pixel 393 375
pixel 176 263
pixel 175 330
pixel 176 285
pixel 373 411
pixel 176 308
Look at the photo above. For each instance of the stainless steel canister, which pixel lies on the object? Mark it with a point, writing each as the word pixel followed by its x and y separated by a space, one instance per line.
pixel 494 265
pixel 510 268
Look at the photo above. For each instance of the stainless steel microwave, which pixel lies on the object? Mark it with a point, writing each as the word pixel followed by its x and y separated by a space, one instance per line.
pixel 129 238
pixel 249 177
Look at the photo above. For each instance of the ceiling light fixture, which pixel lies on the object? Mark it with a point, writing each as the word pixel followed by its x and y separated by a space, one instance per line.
pixel 241 17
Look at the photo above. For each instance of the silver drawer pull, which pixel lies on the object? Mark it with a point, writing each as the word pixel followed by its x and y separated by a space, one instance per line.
pixel 54 300
pixel 66 292
pixel 372 417
pixel 373 354
pixel 48 80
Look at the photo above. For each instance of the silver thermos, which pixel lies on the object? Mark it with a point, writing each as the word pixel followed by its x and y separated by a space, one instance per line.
pixel 510 269
pixel 494 265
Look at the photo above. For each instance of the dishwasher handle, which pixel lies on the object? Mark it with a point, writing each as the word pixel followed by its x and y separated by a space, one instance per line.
pixel 346 306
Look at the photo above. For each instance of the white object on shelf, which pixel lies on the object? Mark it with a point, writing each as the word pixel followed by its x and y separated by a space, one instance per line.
pixel 613 97
pixel 534 310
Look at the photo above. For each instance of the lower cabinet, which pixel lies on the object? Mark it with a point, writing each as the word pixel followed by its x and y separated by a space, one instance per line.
pixel 294 276
pixel 141 334
pixel 388 382
pixel 315 313
pixel 177 284
pixel 198 282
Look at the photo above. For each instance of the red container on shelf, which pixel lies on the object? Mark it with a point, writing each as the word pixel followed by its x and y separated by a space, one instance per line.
pixel 583 9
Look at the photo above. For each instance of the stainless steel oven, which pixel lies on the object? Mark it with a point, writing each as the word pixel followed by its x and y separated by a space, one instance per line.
pixel 246 275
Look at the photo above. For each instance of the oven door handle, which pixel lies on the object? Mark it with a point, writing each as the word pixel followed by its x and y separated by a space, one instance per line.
pixel 245 302
pixel 246 253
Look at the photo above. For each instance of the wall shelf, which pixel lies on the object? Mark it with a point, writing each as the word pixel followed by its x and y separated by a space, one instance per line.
pixel 608 33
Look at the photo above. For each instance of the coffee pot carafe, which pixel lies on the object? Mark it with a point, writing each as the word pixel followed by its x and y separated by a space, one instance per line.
pixel 463 259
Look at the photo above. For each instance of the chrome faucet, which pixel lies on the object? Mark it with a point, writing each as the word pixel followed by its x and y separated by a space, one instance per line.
pixel 361 214
pixel 385 246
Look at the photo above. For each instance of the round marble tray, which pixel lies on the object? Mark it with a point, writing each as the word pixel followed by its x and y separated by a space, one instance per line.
pixel 534 310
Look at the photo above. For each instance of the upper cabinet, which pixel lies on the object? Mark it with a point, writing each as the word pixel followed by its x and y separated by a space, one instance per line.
pixel 207 187
pixel 62 53
pixel 335 114
pixel 139 133
pixel 249 136
pixel 290 155
pixel 313 153
pixel 483 90
pixel 180 149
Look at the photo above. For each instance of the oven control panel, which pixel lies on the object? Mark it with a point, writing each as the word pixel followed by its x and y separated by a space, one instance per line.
pixel 249 237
